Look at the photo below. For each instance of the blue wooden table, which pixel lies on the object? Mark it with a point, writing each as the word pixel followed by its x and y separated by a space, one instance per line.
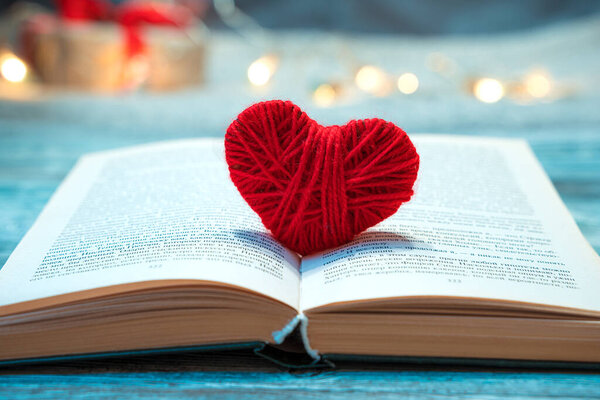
pixel 41 138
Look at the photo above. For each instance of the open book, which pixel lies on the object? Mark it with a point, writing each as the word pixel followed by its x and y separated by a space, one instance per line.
pixel 152 247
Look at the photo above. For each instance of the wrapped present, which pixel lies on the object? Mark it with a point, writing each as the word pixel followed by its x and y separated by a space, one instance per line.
pixel 153 46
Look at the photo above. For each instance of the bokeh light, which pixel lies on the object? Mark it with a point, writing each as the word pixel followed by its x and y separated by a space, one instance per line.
pixel 261 70
pixel 538 84
pixel 324 95
pixel 488 90
pixel 13 69
pixel 408 83
pixel 371 79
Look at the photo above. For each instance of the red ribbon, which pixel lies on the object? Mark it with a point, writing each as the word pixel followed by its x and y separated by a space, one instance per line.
pixel 131 16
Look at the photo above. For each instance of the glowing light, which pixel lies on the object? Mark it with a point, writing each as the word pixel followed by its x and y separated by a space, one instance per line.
pixel 488 90
pixel 13 69
pixel 324 95
pixel 538 84
pixel 371 79
pixel 408 83
pixel 261 70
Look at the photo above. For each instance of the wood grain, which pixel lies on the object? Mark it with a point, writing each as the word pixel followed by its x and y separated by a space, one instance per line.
pixel 242 375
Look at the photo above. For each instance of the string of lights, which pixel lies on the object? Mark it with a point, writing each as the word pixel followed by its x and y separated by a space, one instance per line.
pixel 536 85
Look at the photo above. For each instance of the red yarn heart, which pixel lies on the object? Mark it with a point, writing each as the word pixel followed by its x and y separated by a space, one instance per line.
pixel 313 186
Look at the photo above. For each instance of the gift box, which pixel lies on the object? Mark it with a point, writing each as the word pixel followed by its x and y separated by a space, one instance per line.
pixel 112 56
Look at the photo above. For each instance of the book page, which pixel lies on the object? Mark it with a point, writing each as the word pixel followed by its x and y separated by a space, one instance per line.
pixel 162 211
pixel 485 222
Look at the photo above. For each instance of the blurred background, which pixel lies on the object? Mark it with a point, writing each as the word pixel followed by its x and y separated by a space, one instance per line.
pixel 85 75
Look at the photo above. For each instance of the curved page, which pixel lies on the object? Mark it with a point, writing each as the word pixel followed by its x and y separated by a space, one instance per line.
pixel 162 211
pixel 485 222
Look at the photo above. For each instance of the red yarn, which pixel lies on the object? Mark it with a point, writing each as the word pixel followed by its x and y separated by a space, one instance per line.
pixel 313 186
